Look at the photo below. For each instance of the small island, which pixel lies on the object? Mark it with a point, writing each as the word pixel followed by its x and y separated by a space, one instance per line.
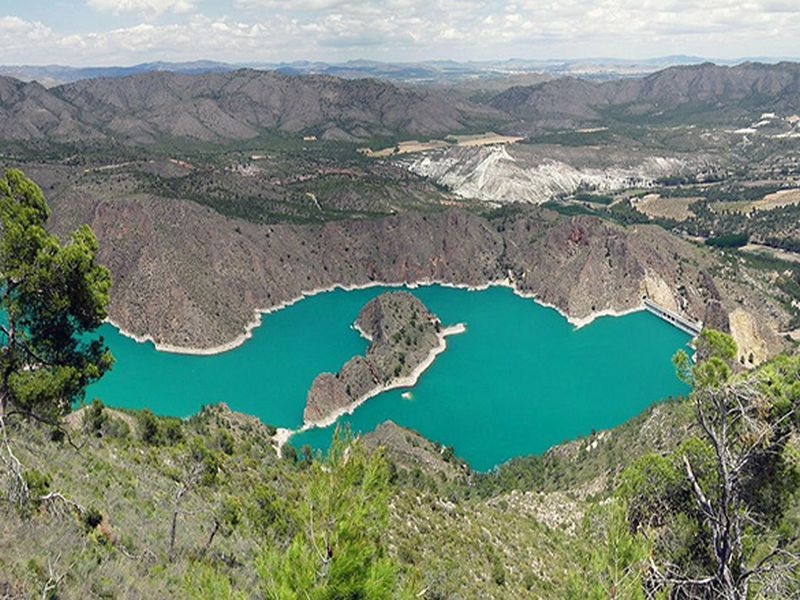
pixel 405 338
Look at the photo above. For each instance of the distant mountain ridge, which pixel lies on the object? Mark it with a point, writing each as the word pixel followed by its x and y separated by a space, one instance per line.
pixel 229 106
pixel 431 71
pixel 59 74
pixel 706 87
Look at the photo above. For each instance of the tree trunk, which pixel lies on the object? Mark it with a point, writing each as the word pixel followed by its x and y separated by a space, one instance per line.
pixel 172 533
pixel 8 364
pixel 214 531
pixel 174 527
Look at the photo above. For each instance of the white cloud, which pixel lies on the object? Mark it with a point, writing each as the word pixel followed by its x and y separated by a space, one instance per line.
pixel 198 37
pixel 13 25
pixel 144 7
pixel 17 36
pixel 408 30
pixel 295 5
pixel 29 29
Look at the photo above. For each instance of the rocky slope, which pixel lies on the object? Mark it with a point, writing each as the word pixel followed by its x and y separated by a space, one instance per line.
pixel 224 107
pixel 707 91
pixel 188 277
pixel 404 337
pixel 434 527
pixel 505 174
pixel 220 107
pixel 408 451
pixel 28 111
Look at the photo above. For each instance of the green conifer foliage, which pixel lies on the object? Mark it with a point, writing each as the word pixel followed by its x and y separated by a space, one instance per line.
pixel 51 294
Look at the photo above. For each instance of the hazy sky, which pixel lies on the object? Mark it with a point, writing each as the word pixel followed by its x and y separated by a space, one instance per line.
pixel 124 32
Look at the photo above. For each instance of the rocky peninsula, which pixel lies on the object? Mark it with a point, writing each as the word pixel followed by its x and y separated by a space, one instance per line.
pixel 405 338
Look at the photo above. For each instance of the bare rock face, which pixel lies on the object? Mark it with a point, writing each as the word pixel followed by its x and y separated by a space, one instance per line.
pixel 191 278
pixel 402 332
pixel 508 174
pixel 753 339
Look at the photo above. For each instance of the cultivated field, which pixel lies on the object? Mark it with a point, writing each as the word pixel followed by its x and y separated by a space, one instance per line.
pixel 413 146
pixel 658 207
pixel 778 199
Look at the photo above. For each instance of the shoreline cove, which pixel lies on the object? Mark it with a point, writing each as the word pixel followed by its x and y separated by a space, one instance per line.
pixel 498 377
pixel 577 322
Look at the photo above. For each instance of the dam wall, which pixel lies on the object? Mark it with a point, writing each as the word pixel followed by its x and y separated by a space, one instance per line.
pixel 693 328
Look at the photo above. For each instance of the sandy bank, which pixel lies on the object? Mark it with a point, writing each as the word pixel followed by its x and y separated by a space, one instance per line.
pixel 280 438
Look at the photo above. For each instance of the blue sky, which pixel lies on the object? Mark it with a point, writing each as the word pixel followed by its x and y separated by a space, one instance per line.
pixel 125 32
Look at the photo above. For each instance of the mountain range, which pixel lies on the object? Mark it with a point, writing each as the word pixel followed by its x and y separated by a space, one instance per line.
pixel 433 71
pixel 219 107
pixel 236 105
pixel 675 92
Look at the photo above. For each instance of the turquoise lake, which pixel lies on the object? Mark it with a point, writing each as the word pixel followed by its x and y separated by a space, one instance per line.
pixel 518 381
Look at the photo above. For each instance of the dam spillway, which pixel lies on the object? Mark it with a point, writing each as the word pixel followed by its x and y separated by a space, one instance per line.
pixel 693 328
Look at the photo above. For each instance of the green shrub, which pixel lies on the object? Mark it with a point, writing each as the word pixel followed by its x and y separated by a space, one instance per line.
pixel 117 428
pixel 38 485
pixel 149 428
pixel 95 418
pixel 91 518
pixel 173 432
pixel 731 240
pixel 498 572
pixel 226 443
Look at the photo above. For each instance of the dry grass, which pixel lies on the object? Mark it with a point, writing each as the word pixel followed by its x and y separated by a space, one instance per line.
pixel 484 139
pixel 658 207
pixel 408 147
pixel 779 199
pixel 772 252
pixel 414 146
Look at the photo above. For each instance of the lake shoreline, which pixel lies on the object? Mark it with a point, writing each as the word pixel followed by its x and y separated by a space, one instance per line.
pixel 577 322
pixel 516 356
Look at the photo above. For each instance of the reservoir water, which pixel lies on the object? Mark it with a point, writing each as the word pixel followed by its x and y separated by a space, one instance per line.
pixel 518 381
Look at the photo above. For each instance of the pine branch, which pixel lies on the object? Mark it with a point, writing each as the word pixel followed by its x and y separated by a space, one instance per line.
pixel 55 424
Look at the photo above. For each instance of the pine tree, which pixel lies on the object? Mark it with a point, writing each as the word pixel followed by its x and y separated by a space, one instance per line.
pixel 51 296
